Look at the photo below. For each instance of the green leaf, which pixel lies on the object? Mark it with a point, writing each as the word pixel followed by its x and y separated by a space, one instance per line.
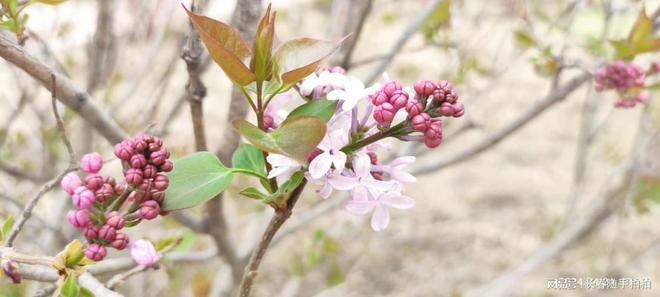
pixel 281 196
pixel 642 28
pixel 254 193
pixel 250 158
pixel 6 227
pixel 194 180
pixel 12 7
pixel 524 39
pixel 225 46
pixel 187 241
pixel 298 58
pixel 69 287
pixel 296 137
pixel 262 54
pixel 73 253
pixel 85 293
pixel 441 17
pixel 164 243
pixel 322 108
pixel 623 49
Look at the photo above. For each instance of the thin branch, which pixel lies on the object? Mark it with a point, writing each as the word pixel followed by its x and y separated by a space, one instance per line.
pixel 120 278
pixel 555 96
pixel 68 93
pixel 410 30
pixel 353 14
pixel 27 211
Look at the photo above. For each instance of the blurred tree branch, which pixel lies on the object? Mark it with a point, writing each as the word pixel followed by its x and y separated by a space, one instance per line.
pixel 353 14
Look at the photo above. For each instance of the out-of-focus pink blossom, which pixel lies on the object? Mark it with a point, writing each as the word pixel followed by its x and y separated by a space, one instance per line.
pixel 144 253
pixel 379 207
pixel 396 169
pixel 70 182
pixel 91 163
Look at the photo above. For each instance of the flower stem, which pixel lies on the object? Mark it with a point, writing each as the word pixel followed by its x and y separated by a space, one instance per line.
pixel 393 131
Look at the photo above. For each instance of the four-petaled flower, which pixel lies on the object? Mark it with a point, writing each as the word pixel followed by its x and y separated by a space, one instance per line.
pixel 331 146
pixel 351 94
pixel 380 206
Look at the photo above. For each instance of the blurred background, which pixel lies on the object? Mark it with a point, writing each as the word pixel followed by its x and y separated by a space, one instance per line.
pixel 512 199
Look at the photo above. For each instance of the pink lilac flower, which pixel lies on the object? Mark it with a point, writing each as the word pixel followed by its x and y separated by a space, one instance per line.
pixel 318 85
pixel 331 155
pixel 332 181
pixel 362 182
pixel 396 169
pixel 91 163
pixel 144 253
pixel 379 207
pixel 352 93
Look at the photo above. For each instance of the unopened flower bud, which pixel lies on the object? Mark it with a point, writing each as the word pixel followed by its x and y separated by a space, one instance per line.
pixel 432 142
pixel 123 152
pixel 120 188
pixel 93 182
pixel 158 157
pixel 157 195
pixel 414 107
pixel 83 198
pixel 161 182
pixel 90 232
pixel 104 193
pixel 120 242
pixel 133 176
pixel 149 210
pixel 425 87
pixel 95 252
pixel 378 98
pixel 390 87
pixel 446 109
pixel 138 161
pixel 115 220
pixel 78 218
pixel 138 196
pixel 268 122
pixel 70 182
pixel 384 113
pixel 153 147
pixel 459 109
pixel 421 122
pixel 399 99
pixel 10 268
pixel 110 180
pixel 91 163
pixel 144 253
pixel 107 233
pixel 140 145
pixel 150 171
pixel 167 166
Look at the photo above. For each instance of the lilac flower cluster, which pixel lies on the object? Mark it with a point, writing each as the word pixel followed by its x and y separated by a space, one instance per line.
pixel 106 206
pixel 627 79
pixel 347 160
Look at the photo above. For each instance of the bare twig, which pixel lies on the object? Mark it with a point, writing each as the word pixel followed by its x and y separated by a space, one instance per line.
pixel 68 93
pixel 27 211
pixel 410 30
pixel 554 97
pixel 353 14
pixel 120 278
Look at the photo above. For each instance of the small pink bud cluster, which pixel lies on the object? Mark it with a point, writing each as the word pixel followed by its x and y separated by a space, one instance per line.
pixel 106 206
pixel 625 78
pixel 431 101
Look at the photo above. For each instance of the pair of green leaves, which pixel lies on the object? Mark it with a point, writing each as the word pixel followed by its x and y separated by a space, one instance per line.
pixel 640 39
pixel 279 197
pixel 290 63
pixel 69 288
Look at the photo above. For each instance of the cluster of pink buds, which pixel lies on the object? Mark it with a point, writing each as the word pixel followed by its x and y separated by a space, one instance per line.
pixel 431 101
pixel 627 79
pixel 106 206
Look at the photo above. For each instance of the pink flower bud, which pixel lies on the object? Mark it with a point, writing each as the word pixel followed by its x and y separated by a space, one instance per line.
pixel 115 220
pixel 78 218
pixel 91 163
pixel 424 88
pixel 95 252
pixel 10 268
pixel 140 145
pixel 120 242
pixel 378 98
pixel 145 137
pixel 384 113
pixel 390 87
pixel 268 122
pixel 421 122
pixel 444 93
pixel 138 161
pixel 153 147
pixel 150 171
pixel 158 157
pixel 110 180
pixel 90 232
pixel 414 107
pixel 432 142
pixel 70 182
pixel 107 233
pixel 149 210
pixel 446 109
pixel 399 99
pixel 158 141
pixel 161 182
pixel 93 182
pixel 138 196
pixel 133 176
pixel 104 193
pixel 167 166
pixel 459 109
pixel 157 195
pixel 83 198
pixel 120 188
pixel 144 253
pixel 123 152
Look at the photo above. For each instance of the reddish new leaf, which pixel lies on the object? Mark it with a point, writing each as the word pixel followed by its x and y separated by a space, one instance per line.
pixel 261 63
pixel 298 58
pixel 225 46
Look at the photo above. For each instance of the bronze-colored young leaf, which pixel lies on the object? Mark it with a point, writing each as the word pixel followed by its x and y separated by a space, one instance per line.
pixel 298 136
pixel 642 28
pixel 257 137
pixel 298 58
pixel 225 46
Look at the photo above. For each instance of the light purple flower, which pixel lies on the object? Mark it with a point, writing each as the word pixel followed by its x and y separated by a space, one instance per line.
pixel 362 182
pixel 282 166
pixel 144 253
pixel 91 163
pixel 317 85
pixel 331 155
pixel 332 181
pixel 396 169
pixel 351 94
pixel 380 206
